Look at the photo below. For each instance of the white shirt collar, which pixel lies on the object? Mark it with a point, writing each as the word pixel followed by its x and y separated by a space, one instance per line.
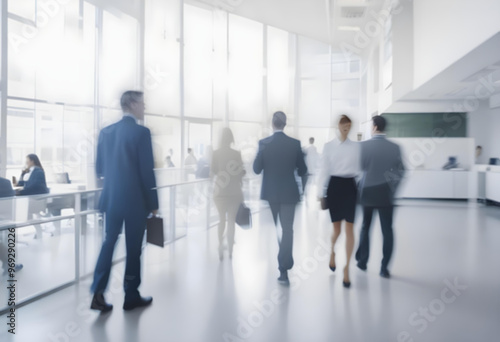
pixel 277 131
pixel 32 168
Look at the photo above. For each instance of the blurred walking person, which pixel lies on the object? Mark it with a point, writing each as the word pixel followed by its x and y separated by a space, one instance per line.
pixel 228 171
pixel 278 158
pixel 382 171
pixel 312 158
pixel 125 161
pixel 337 185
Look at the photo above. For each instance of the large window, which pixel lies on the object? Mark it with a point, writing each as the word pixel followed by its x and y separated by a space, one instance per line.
pixel 198 61
pixel 278 71
pixel 120 51
pixel 68 68
pixel 314 66
pixel 245 69
pixel 52 66
pixel 162 57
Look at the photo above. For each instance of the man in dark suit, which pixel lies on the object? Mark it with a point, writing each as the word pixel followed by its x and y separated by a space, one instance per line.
pixel 278 157
pixel 383 170
pixel 125 162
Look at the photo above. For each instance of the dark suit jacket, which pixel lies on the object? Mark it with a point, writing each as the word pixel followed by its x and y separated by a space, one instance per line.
pixel 278 157
pixel 35 185
pixel 383 170
pixel 125 161
pixel 6 188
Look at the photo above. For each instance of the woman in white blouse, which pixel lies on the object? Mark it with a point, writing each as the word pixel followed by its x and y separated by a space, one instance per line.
pixel 340 167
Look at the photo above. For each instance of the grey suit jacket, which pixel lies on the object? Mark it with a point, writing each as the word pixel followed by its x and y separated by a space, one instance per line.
pixel 382 171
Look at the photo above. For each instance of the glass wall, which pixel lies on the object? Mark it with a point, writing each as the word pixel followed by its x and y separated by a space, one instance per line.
pixel 246 57
pixel 198 62
pixel 68 68
pixel 162 57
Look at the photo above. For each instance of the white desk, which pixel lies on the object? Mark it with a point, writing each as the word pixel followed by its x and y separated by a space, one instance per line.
pixel 436 184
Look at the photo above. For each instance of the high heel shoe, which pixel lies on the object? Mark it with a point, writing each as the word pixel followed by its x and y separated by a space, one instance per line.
pixel 332 262
pixel 347 284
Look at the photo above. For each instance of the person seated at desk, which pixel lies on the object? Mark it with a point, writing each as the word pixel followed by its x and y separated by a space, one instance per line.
pixel 32 178
pixel 5 192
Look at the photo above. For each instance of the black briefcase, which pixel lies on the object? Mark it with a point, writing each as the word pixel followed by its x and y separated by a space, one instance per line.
pixel 155 231
pixel 244 217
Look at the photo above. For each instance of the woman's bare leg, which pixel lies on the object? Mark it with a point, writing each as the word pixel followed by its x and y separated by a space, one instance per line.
pixel 349 247
pixel 336 232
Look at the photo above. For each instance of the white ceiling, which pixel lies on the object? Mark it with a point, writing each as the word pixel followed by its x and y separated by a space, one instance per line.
pixel 316 19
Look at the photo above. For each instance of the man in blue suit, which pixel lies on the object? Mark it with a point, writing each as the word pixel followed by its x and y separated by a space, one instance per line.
pixel 125 162
pixel 278 157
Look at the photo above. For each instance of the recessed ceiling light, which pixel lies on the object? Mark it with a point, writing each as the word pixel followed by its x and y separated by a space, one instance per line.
pixel 349 28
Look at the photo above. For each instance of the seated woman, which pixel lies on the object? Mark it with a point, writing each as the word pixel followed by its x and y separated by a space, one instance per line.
pixel 33 178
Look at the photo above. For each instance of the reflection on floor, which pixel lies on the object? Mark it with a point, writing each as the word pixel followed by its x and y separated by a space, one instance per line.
pixel 439 246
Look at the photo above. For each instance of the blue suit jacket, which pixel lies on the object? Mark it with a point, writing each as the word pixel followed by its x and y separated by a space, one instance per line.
pixel 125 161
pixel 35 185
pixel 278 157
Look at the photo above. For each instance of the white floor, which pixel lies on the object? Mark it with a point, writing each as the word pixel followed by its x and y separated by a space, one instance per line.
pixel 199 299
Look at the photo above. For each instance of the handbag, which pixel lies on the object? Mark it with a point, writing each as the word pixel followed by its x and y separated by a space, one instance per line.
pixel 244 217
pixel 324 203
pixel 155 231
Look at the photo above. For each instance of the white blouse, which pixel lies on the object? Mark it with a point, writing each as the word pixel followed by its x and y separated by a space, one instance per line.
pixel 27 175
pixel 340 159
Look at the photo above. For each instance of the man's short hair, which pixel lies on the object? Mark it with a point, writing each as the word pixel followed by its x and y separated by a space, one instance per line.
pixel 130 97
pixel 380 122
pixel 279 120
pixel 190 150
pixel 311 140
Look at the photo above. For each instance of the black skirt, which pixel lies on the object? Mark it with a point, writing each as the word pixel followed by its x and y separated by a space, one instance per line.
pixel 341 197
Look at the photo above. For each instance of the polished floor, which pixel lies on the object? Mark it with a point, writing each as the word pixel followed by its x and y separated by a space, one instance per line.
pixel 445 287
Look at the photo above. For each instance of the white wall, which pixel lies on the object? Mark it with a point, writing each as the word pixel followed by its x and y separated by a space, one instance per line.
pixel 484 124
pixel 446 30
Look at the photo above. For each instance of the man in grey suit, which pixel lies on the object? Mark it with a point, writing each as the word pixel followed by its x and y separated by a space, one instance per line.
pixel 383 169
pixel 278 157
